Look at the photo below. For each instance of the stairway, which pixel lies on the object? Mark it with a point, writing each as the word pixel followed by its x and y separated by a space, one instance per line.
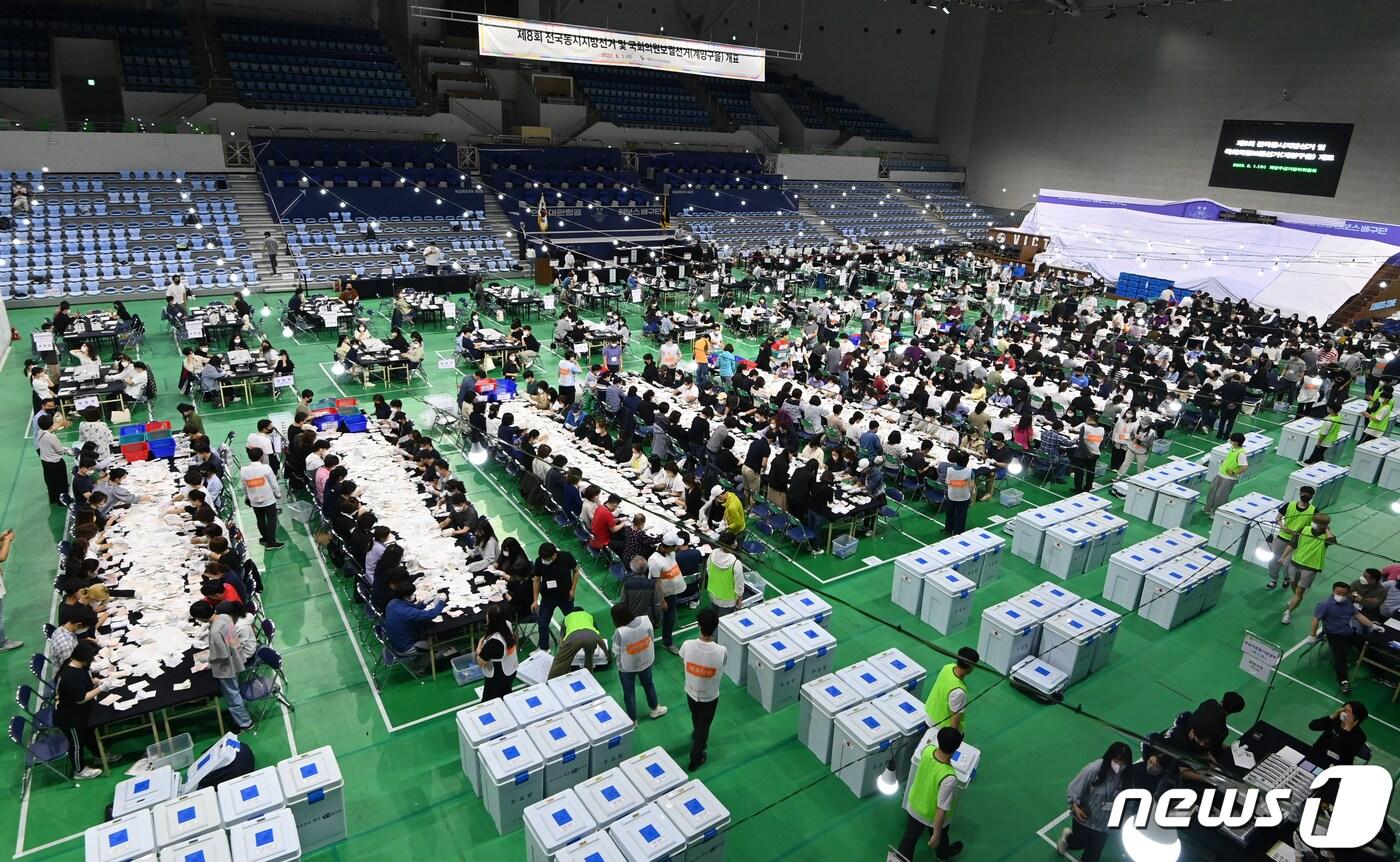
pixel 413 73
pixel 818 221
pixel 926 207
pixel 207 54
pixel 253 211
pixel 719 120
pixel 499 221
pixel 1358 305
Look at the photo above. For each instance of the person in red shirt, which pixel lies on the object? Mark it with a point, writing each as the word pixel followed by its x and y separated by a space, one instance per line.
pixel 605 525
pixel 215 591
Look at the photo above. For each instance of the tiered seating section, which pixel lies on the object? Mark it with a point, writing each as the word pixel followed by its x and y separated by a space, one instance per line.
pixel 572 176
pixel 947 202
pixel 751 231
pixel 153 45
pixel 855 120
pixel 928 164
pixel 641 98
pixel 791 91
pixel 736 99
pixel 276 63
pixel 715 182
pixel 120 233
pixel 382 203
pixel 870 211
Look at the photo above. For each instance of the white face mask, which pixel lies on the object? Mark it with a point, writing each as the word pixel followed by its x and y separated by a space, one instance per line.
pixel 1339 599
pixel 1117 767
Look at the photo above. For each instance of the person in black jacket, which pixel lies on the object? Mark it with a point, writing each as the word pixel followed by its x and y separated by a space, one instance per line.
pixel 1232 396
pixel 1341 736
pixel 75 692
pixel 388 574
pixel 800 487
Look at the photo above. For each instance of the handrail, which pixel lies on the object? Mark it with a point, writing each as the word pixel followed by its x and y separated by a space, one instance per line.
pixel 455 105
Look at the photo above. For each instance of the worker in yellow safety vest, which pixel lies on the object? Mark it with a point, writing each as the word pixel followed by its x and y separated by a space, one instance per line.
pixel 932 798
pixel 1231 469
pixel 1293 516
pixel 1378 412
pixel 947 701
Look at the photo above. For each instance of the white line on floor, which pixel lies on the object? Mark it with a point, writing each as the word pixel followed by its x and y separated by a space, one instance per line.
pixel 1044 831
pixel 331 378
pixel 1291 650
pixel 1334 698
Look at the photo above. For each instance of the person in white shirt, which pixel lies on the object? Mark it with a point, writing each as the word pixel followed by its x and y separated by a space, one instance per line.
pixel 703 659
pixel 633 644
pixel 266 440
pixel 262 492
pixel 177 291
pixel 432 258
pixel 662 567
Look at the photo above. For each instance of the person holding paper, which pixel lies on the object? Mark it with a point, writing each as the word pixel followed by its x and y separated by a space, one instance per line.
pixel 225 660
pixel 76 690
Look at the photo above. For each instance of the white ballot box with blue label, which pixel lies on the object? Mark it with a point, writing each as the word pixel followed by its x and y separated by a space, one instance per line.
pixel 1369 458
pixel 209 847
pixel 1109 530
pixel 608 796
pixel 250 796
pixel 533 704
pixel 1296 439
pixel 778 613
pixel 315 794
pixel 1106 621
pixel 535 669
pixel 554 823
pixel 1213 570
pixel 1390 472
pixel 477 725
pixel 1040 609
pixel 1327 478
pixel 269 838
pixel 512 777
pixel 1127 570
pixel 598 847
pixel 907 713
pixel 123 839
pixel 946 555
pixel 860 747
pixel 992 547
pixel 1052 594
pixel 818 648
pixel 145 791
pixel 1176 505
pixel 1171 595
pixel 907 589
pixel 653 773
pixel 1029 529
pixel 1065 549
pixel 865 680
pixel 810 606
pixel 609 733
pixel 968 553
pixel 964 762
pixel 700 818
pixel 1255 445
pixel 736 632
pixel 1009 633
pixel 903 671
pixel 947 600
pixel 1354 415
pixel 821 700
pixel 217 756
pixel 1037 674
pixel 1140 493
pixel 1069 642
pixel 186 817
pixel 1231 521
pixel 574 689
pixel 565 748
pixel 1085 503
pixel 775 670
pixel 1179 541
pixel 648 835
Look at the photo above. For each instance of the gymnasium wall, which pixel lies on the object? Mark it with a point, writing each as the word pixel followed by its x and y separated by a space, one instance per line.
pixel 1133 107
pixel 98 152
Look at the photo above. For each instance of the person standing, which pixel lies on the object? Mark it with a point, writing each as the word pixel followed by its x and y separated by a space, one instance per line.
pixel 262 492
pixel 432 258
pixel 633 642
pixel 663 568
pixel 1086 452
pixel 495 654
pixel 1309 556
pixel 51 452
pixel 556 575
pixel 947 701
pixel 225 661
pixel 1337 617
pixel 568 373
pixel 1231 469
pixel 1378 411
pixel 958 498
pixel 1090 797
pixel 269 245
pixel 932 797
pixel 75 691
pixel 703 659
pixel 1232 396
pixel 701 351
pixel 580 634
pixel 7 538
pixel 1293 516
pixel 1327 435
pixel 725 576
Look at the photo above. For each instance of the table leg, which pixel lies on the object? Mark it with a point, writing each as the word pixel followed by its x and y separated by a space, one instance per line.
pixel 432 656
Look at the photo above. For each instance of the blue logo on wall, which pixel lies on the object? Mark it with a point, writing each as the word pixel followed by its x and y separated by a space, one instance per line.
pixel 1199 210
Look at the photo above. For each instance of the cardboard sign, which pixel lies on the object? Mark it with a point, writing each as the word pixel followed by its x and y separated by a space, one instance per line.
pixel 637 295
pixel 549 303
pixel 283 381
pixel 330 319
pixel 689 335
pixel 83 403
pixel 194 329
pixel 447 362
pixel 43 341
pixel 581 347
pixel 449 310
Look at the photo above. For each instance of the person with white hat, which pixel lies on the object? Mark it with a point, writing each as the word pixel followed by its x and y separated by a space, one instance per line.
pixel 662 566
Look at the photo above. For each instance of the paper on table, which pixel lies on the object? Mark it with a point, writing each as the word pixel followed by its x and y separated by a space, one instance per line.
pixel 110 699
pixel 1290 756
pixel 1280 852
pixel 1243 758
pixel 181 686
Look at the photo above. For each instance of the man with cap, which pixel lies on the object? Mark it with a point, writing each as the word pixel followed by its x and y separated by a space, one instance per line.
pixel 932 798
pixel 732 507
pixel 947 700
pixel 662 567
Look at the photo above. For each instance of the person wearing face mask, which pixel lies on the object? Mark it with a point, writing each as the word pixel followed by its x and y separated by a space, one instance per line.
pixel 1341 736
pixel 1090 796
pixel 1309 556
pixel 1339 619
pixel 1292 518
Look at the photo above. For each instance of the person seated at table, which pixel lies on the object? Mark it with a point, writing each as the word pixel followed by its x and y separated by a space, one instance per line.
pixel 209 382
pixel 575 418
pixel 571 498
pixel 413 353
pixel 651 471
pixel 543 399
pixel 396 340
pixel 86 355
pixel 94 505
pixel 346 293
pixel 214 590
pixel 404 621
pixel 486 549
pixel 726 462
pixel 598 433
pixel 461 519
pixel 1340 736
pixel 237 342
pixel 137 381
pixel 554 479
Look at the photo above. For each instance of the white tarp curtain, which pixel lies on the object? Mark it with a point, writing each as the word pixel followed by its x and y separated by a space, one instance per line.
pixel 567 43
pixel 1292 270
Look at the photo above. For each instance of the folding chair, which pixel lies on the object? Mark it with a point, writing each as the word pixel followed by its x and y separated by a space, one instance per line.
pixel 40 747
pixel 264 681
pixel 388 658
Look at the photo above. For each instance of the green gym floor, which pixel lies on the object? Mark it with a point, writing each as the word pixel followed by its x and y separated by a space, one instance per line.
pixel 405 792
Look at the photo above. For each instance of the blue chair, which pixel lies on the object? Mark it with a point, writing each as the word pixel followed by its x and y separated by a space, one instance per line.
pixel 44 747
pixel 39 710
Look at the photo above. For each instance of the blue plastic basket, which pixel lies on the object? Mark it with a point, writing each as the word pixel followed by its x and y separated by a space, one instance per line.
pixel 356 423
pixel 163 448
pixel 327 422
pixel 131 430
